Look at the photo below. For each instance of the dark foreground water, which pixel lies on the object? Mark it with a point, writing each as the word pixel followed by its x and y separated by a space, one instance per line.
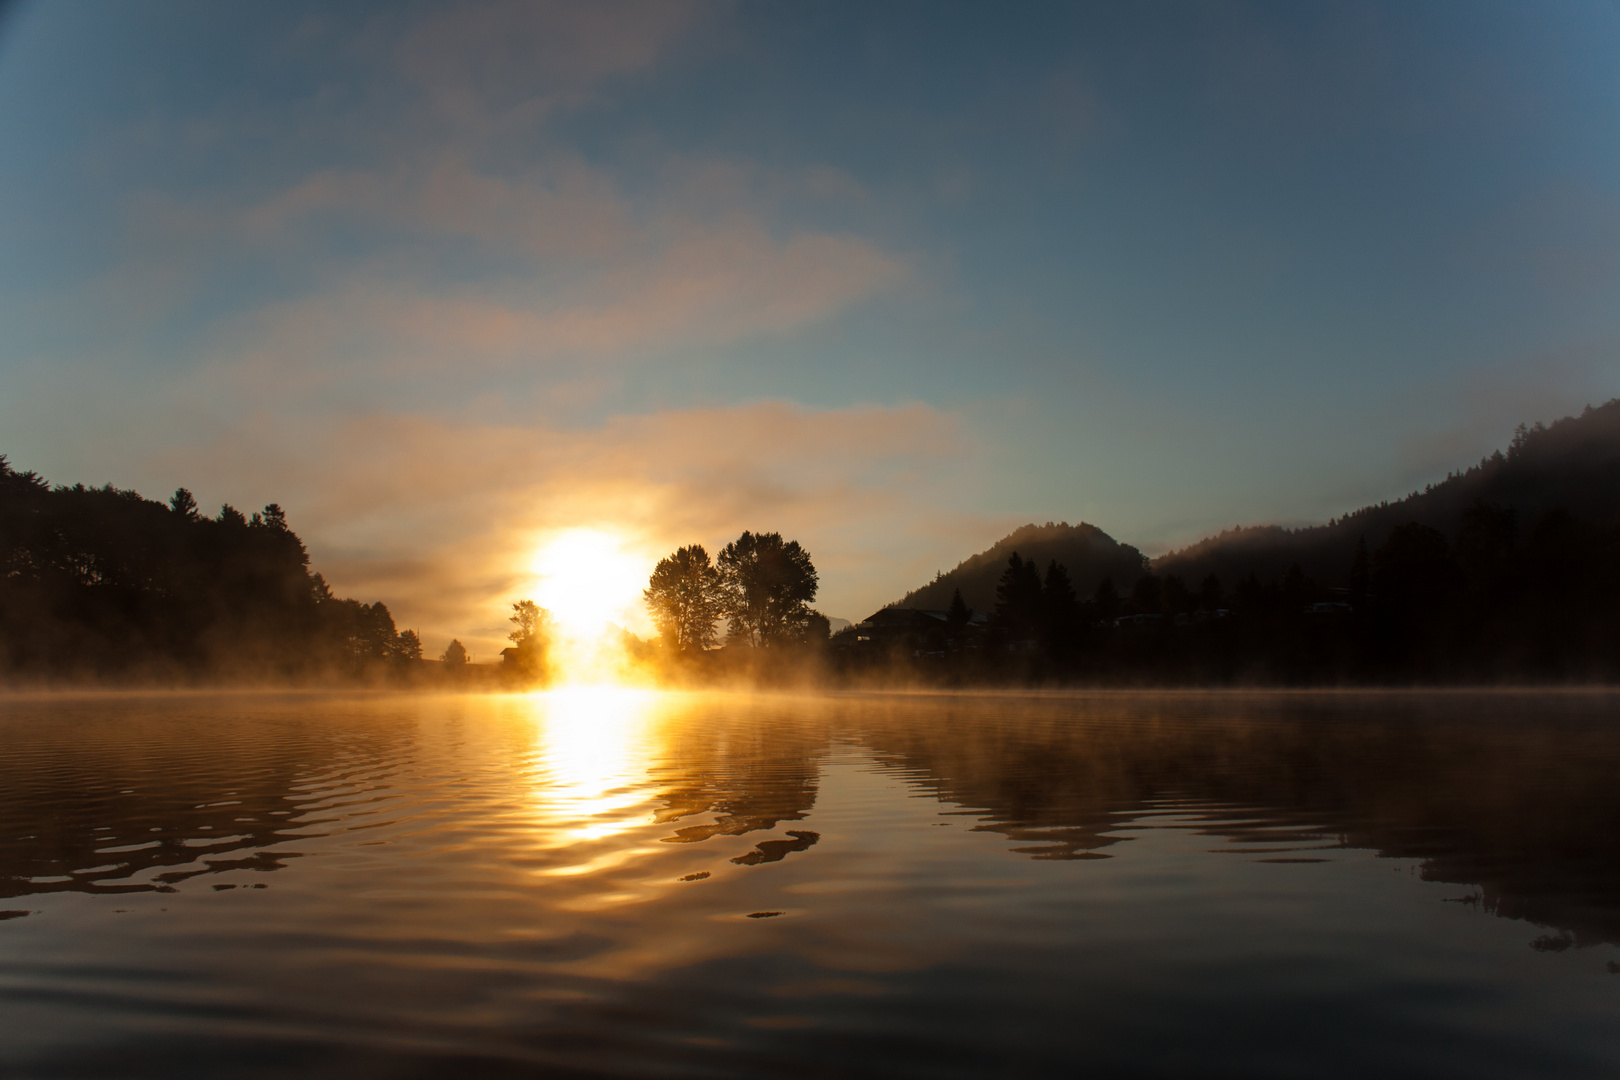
pixel 603 883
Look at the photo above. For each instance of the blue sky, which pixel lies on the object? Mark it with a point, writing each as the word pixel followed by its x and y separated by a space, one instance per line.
pixel 445 279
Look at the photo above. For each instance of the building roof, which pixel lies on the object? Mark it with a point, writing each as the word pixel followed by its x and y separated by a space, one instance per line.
pixel 896 618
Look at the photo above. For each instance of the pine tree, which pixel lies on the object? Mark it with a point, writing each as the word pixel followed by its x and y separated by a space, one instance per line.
pixel 1360 575
pixel 957 618
pixel 1060 612
pixel 1106 598
pixel 1018 599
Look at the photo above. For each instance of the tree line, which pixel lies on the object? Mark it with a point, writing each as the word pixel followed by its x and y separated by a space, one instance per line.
pixel 759 589
pixel 103 582
pixel 760 586
pixel 1493 602
pixel 1572 465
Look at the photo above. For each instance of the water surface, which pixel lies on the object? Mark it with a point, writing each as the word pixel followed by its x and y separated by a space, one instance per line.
pixel 610 883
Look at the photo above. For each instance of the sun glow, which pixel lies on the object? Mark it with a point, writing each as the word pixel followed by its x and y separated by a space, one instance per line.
pixel 589 581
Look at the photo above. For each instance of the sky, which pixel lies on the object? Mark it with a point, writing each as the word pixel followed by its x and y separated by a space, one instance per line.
pixel 448 281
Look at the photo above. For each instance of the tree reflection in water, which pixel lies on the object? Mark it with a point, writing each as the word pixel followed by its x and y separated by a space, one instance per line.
pixel 131 794
pixel 625 883
pixel 1511 793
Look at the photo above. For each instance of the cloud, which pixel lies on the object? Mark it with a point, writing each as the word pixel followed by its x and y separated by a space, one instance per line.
pixel 708 287
pixel 442 269
pixel 559 207
pixel 441 520
pixel 524 58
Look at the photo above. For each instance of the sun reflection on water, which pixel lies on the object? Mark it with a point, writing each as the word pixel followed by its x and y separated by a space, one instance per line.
pixel 596 747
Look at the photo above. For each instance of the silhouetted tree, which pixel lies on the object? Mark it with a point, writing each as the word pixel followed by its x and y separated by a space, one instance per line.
pixel 1106 598
pixel 1060 612
pixel 1297 589
pixel 364 633
pixel 767 585
pixel 1251 595
pixel 1174 597
pixel 98 580
pixel 1018 600
pixel 1145 594
pixel 1486 537
pixel 685 598
pixel 530 623
pixel 1413 568
pixel 1210 597
pixel 408 647
pixel 957 618
pixel 1360 575
pixel 455 654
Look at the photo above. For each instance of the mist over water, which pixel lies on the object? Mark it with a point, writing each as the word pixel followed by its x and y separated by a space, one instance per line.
pixel 599 882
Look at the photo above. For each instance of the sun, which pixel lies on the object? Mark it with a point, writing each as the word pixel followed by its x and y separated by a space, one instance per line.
pixel 587 579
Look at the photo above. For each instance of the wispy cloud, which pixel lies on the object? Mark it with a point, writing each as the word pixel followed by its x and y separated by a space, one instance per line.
pixel 443 269
pixel 480 63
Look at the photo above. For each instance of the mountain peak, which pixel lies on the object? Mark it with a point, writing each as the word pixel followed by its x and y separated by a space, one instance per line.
pixel 1088 553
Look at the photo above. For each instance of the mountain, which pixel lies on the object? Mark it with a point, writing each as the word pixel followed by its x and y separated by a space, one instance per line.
pixel 1572 465
pixel 1086 551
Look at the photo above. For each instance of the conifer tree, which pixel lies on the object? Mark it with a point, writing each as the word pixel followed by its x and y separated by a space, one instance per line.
pixel 957 618
pixel 1106 598
pixel 1018 599
pixel 1360 575
pixel 1060 611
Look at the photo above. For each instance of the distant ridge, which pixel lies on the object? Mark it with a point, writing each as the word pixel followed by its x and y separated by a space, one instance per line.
pixel 1088 553
pixel 1573 465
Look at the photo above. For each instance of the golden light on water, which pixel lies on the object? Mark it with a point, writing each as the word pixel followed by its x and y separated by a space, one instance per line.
pixel 595 747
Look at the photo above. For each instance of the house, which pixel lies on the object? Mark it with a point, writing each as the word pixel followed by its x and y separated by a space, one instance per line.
pixel 922 629
pixel 893 622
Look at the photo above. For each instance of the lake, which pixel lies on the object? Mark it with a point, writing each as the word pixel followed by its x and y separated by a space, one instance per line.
pixel 606 883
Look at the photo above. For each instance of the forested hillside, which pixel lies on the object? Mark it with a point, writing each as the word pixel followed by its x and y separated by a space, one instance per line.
pixel 99 582
pixel 1573 466
pixel 1508 571
pixel 1089 554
